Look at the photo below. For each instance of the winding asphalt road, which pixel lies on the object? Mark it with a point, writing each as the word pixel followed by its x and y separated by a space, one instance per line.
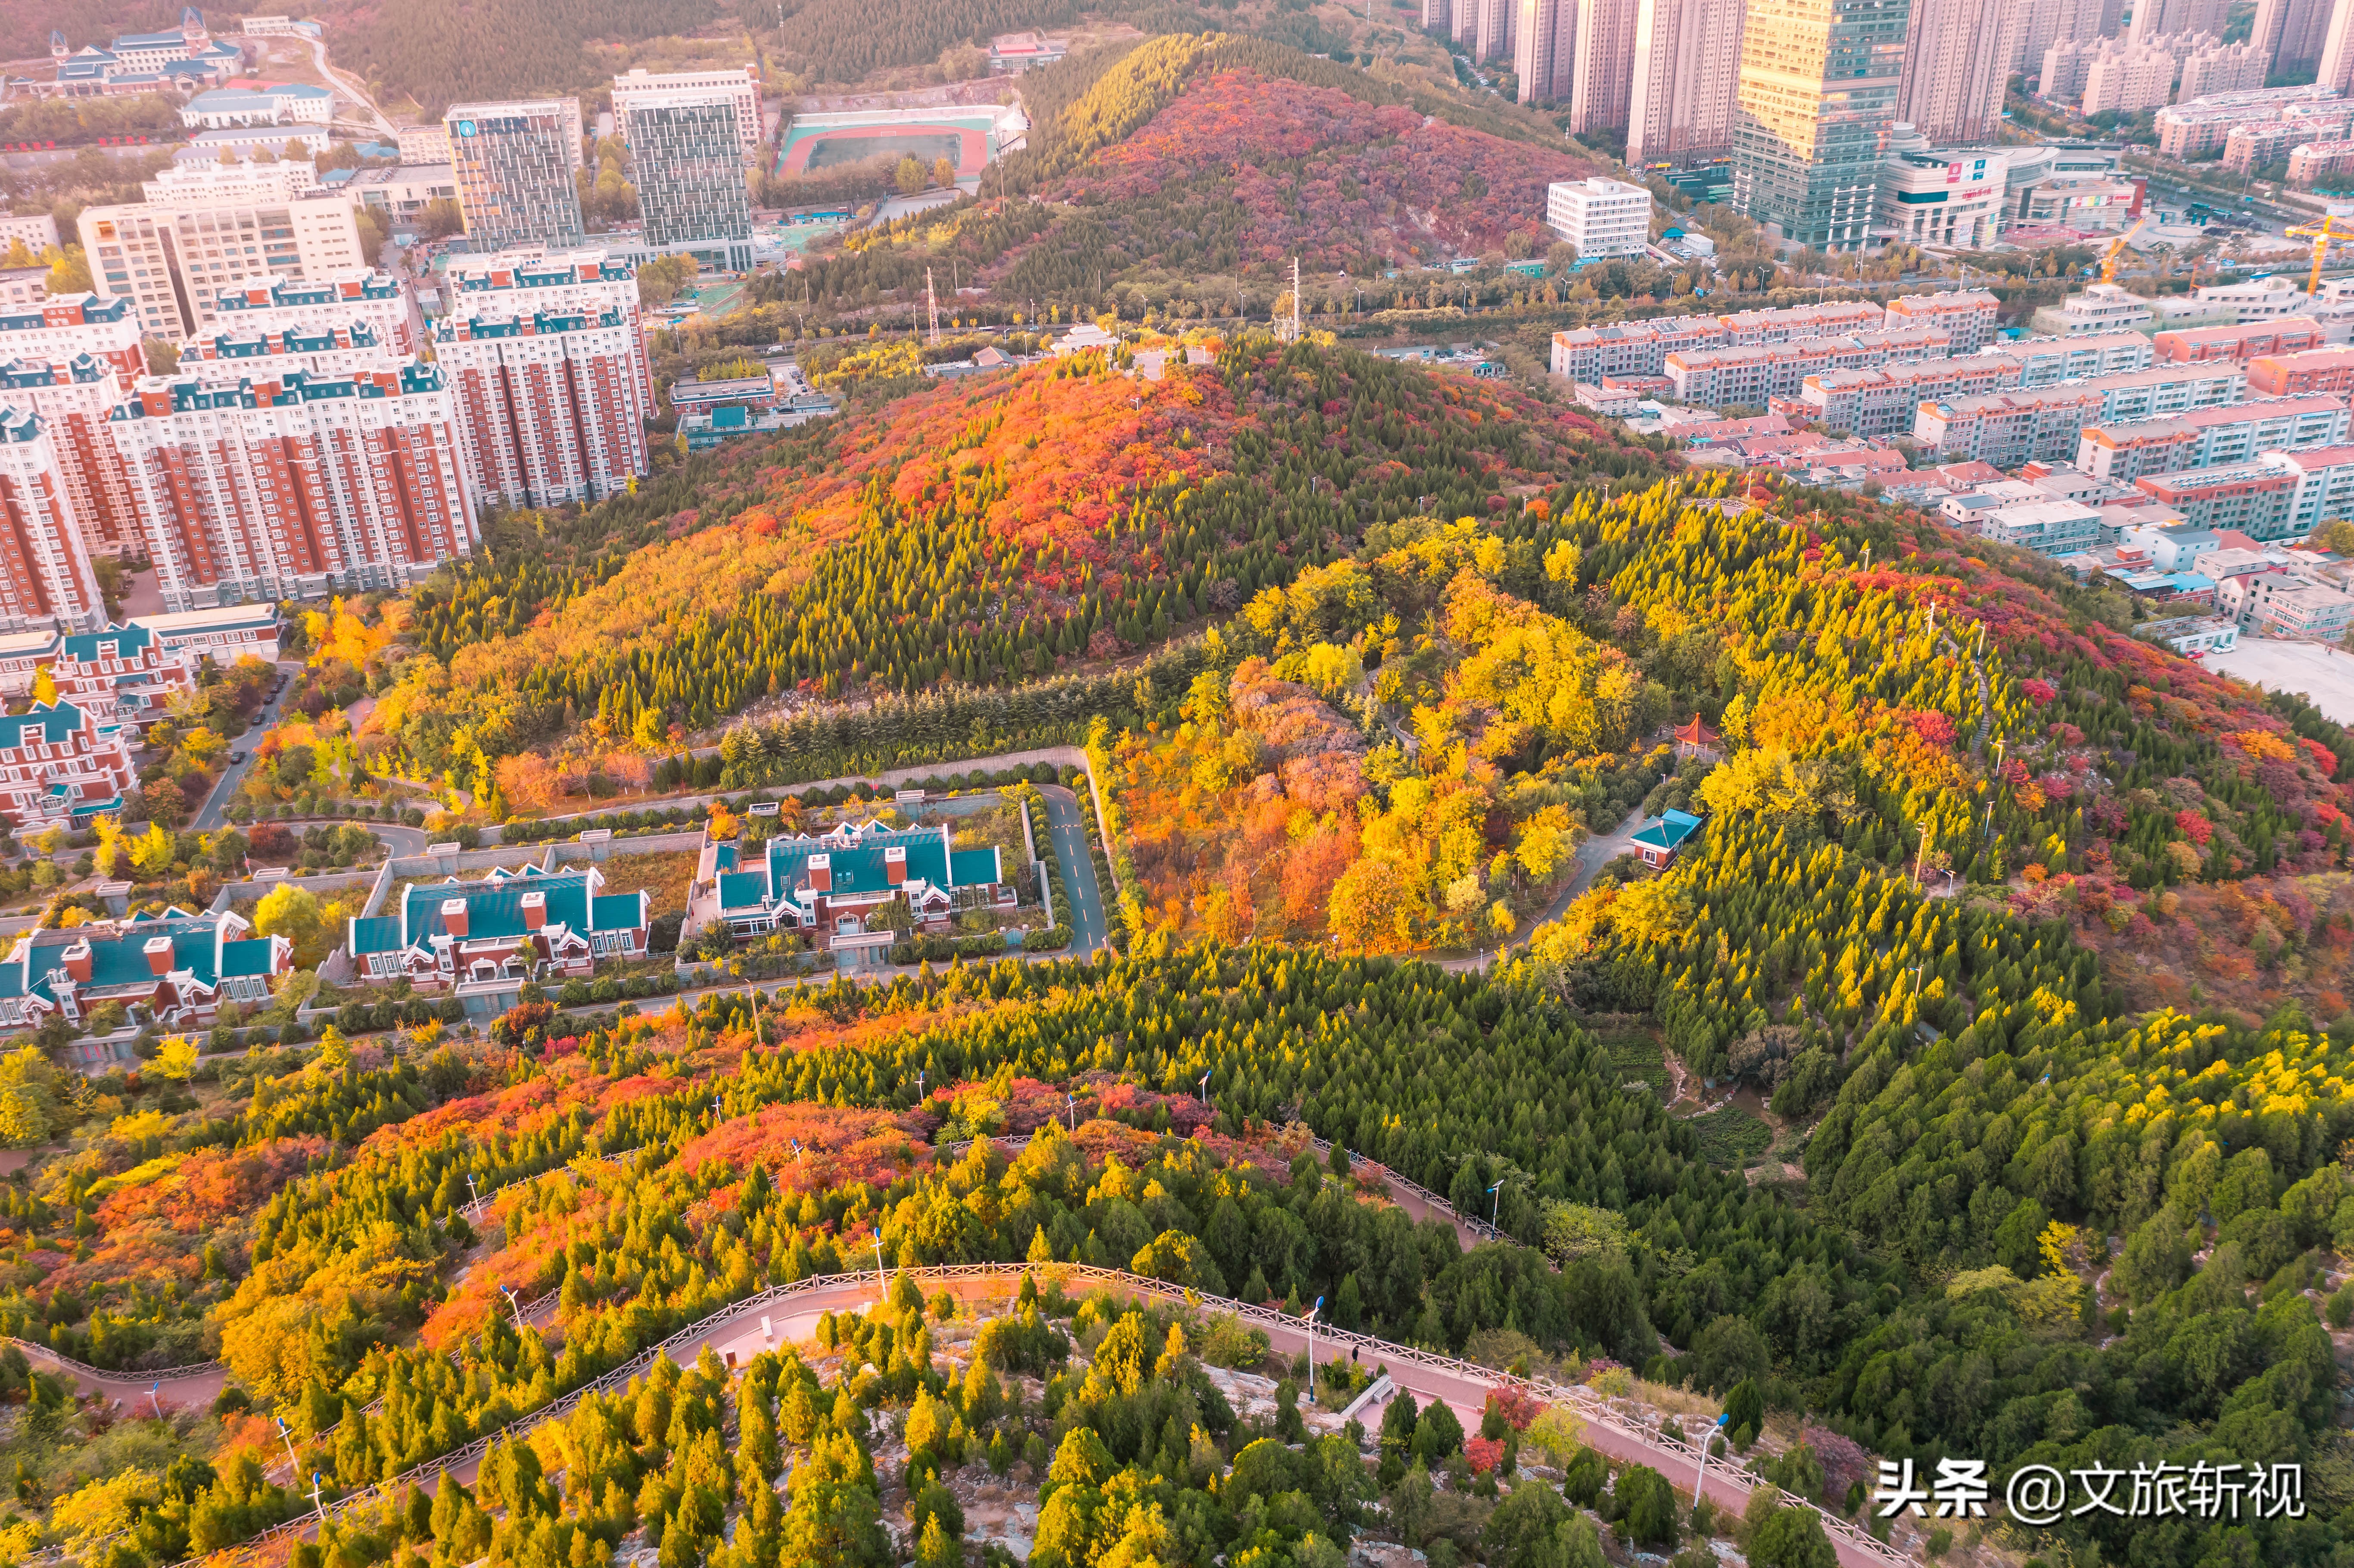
pixel 736 1335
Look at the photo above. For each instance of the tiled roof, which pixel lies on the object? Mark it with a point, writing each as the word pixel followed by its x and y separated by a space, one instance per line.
pixel 117 956
pixel 494 909
pixel 857 864
pixel 1668 829
pixel 248 958
pixel 58 723
pixel 128 641
pixel 375 933
pixel 742 889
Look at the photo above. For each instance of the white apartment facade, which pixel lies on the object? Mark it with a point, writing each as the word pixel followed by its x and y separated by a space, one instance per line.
pixel 1600 218
pixel 173 259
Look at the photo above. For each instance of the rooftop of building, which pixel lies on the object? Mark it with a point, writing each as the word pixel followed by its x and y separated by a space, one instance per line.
pixel 207 947
pixel 494 911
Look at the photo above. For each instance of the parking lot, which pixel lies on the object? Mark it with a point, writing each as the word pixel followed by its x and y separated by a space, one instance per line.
pixel 2324 675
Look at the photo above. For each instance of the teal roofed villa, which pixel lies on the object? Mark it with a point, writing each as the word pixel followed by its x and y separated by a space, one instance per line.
pixel 497 932
pixel 176 966
pixel 839 889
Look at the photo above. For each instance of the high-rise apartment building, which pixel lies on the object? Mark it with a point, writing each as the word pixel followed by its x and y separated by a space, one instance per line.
pixel 2221 67
pixel 327 352
pixel 45 580
pixel 1957 63
pixel 2152 17
pixel 2128 80
pixel 515 163
pixel 72 399
pixel 1492 39
pixel 2043 23
pixel 282 483
pixel 1437 17
pixel 685 151
pixel 67 360
pixel 2337 67
pixel 738 88
pixel 174 254
pixel 1687 68
pixel 2291 33
pixel 1545 46
pixel 1603 69
pixel 1817 92
pixel 549 368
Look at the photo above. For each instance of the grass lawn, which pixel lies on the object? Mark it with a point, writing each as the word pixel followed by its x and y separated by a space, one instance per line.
pixel 1637 1053
pixel 1731 1137
pixel 665 874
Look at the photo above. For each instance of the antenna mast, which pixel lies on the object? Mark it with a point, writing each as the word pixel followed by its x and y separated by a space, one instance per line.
pixel 932 304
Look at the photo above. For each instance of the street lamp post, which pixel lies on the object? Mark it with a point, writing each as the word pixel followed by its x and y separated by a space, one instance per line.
pixel 1311 1347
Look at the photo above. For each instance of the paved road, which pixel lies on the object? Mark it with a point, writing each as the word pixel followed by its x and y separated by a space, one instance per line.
pixel 210 815
pixel 1592 856
pixel 196 1391
pixel 1090 926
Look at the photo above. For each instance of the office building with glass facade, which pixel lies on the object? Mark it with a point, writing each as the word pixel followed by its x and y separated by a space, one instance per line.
pixel 687 155
pixel 1818 94
pixel 514 165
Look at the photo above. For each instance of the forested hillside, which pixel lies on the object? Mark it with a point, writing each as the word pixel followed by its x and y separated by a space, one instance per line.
pixel 972 536
pixel 445 51
pixel 1185 164
pixel 319 1245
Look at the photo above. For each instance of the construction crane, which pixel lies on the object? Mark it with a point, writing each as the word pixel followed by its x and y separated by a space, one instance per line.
pixel 2117 248
pixel 2336 225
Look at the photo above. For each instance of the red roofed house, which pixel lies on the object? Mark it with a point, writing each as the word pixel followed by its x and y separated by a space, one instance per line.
pixel 2248 340
pixel 2289 374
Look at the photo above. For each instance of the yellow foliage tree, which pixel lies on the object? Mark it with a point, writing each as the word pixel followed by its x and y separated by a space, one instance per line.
pixel 177 1059
pixel 152 852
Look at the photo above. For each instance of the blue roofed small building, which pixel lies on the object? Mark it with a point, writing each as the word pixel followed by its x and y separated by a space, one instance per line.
pixel 1659 839
pixel 57 766
pixel 177 967
pixel 851 890
pixel 485 937
pixel 262 104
